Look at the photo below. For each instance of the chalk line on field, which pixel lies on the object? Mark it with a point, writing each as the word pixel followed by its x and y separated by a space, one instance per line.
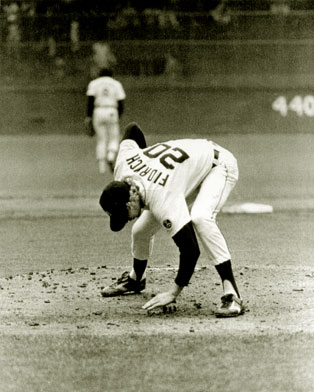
pixel 252 266
pixel 152 268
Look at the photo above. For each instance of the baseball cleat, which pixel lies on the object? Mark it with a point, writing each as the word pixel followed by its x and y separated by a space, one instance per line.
pixel 231 306
pixel 124 285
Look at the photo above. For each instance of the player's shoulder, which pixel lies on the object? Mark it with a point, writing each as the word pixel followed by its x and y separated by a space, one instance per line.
pixel 94 82
pixel 128 144
pixel 91 83
pixel 109 80
pixel 101 80
pixel 117 83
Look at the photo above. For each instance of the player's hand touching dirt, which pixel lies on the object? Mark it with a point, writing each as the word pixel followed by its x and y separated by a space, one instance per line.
pixel 163 299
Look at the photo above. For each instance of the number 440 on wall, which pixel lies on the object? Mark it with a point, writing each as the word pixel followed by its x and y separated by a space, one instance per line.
pixel 302 106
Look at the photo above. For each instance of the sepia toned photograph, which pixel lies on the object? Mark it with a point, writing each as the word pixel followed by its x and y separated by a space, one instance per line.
pixel 156 196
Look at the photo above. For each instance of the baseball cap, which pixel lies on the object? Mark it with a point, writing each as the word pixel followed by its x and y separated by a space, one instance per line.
pixel 113 201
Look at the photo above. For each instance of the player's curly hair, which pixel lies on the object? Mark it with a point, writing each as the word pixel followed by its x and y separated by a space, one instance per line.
pixel 134 192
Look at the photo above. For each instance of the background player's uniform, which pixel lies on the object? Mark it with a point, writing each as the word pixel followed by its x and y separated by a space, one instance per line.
pixel 107 93
pixel 179 181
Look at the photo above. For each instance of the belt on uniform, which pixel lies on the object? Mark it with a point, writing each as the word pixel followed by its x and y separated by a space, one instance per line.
pixel 216 157
pixel 105 106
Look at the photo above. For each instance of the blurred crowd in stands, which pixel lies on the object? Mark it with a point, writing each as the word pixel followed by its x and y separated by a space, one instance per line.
pixel 55 27
pixel 75 20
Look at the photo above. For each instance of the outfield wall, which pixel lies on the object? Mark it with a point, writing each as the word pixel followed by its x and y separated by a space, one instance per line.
pixel 188 86
pixel 163 110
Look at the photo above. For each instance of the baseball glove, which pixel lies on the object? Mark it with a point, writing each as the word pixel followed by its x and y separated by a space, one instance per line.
pixel 90 131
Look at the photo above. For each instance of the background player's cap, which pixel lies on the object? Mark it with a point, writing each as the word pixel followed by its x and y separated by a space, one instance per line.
pixel 113 201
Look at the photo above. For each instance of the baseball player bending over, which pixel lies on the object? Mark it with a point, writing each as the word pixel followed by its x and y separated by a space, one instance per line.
pixel 105 106
pixel 179 185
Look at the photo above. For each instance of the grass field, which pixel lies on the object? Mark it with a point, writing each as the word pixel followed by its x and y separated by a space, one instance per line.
pixel 58 334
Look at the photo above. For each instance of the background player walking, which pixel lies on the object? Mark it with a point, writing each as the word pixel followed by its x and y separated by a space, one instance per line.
pixel 105 106
pixel 179 185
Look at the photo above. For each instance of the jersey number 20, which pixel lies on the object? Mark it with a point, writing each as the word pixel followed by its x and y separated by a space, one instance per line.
pixel 166 157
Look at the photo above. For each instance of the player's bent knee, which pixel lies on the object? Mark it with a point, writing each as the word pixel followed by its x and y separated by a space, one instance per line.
pixel 199 219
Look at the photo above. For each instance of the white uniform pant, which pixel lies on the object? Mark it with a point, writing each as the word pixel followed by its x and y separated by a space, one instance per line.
pixel 106 126
pixel 212 195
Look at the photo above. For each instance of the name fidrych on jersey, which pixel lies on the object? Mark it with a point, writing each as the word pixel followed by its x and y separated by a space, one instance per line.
pixel 137 165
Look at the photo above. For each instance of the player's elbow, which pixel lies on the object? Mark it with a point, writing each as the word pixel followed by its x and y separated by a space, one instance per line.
pixel 187 242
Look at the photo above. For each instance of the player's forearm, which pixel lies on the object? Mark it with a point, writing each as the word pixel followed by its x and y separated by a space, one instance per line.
pixel 186 270
pixel 90 105
pixel 120 108
pixel 175 290
pixel 187 243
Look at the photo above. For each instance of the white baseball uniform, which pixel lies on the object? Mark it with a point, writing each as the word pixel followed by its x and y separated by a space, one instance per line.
pixel 107 92
pixel 179 180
